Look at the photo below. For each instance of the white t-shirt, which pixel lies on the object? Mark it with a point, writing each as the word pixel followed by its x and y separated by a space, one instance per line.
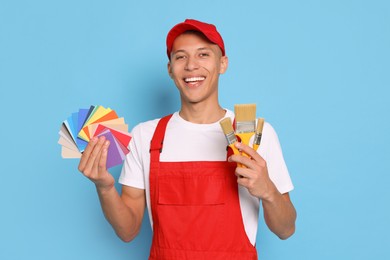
pixel 186 141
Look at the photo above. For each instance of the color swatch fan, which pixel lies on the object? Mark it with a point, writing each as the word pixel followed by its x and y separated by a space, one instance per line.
pixel 80 127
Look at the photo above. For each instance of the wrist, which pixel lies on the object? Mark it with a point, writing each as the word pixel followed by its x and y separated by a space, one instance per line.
pixel 272 195
pixel 104 189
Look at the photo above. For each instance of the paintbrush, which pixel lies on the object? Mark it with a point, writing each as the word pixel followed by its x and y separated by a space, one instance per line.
pixel 245 121
pixel 227 128
pixel 259 132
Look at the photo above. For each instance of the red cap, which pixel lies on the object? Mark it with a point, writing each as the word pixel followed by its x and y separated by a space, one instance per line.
pixel 208 30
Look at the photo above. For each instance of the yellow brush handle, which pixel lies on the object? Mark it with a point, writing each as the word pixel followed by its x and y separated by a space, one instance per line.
pixel 236 151
pixel 245 137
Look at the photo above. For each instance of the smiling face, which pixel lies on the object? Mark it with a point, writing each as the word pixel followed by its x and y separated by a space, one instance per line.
pixel 195 66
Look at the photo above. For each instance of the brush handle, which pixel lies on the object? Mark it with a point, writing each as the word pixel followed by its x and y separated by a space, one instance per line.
pixel 256 141
pixel 234 149
pixel 237 152
pixel 244 138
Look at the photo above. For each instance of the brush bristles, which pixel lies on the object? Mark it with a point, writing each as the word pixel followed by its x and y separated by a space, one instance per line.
pixel 260 124
pixel 245 112
pixel 227 128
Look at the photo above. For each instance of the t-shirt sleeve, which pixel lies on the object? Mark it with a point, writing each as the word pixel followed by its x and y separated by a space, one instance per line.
pixel 271 151
pixel 132 170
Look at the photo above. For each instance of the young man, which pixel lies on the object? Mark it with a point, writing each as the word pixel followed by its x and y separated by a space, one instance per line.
pixel 201 205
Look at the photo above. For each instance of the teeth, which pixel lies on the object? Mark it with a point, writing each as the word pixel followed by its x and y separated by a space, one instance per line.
pixel 194 79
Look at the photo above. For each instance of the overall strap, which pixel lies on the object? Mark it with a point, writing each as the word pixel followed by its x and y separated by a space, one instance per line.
pixel 156 144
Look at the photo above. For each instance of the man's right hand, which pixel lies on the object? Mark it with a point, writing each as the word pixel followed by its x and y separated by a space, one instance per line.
pixel 124 213
pixel 93 163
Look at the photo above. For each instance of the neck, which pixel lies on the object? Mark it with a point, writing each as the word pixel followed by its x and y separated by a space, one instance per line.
pixel 202 114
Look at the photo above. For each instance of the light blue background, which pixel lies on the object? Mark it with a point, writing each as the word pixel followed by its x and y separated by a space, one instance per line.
pixel 318 71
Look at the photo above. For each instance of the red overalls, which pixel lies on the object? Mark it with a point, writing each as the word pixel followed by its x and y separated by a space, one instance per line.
pixel 195 208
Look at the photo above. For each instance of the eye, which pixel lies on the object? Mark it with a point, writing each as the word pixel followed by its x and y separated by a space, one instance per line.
pixel 204 54
pixel 179 57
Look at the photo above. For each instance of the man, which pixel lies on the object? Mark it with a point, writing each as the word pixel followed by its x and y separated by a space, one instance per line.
pixel 201 205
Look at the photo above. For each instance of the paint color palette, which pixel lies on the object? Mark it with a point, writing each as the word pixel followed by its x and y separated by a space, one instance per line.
pixel 81 126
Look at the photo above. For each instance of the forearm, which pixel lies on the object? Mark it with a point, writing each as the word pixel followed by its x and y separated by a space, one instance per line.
pixel 121 217
pixel 279 214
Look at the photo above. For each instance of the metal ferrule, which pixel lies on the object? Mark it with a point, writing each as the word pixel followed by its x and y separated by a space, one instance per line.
pixel 257 139
pixel 231 138
pixel 245 126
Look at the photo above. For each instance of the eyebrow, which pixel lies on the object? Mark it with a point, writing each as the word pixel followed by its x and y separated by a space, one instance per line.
pixel 199 49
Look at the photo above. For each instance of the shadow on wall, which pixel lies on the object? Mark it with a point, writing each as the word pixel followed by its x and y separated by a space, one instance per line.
pixel 166 99
pixel 153 97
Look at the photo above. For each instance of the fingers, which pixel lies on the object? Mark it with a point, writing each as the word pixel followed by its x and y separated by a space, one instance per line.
pixel 247 150
pixel 249 157
pixel 254 173
pixel 86 153
pixel 245 182
pixel 101 159
pixel 248 173
pixel 92 155
pixel 252 162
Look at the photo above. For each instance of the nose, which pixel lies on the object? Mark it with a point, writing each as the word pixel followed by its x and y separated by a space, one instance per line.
pixel 191 64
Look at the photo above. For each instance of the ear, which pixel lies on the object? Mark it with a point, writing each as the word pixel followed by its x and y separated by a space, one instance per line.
pixel 169 69
pixel 224 62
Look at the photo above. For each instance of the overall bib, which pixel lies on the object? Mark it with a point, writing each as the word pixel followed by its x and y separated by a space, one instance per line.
pixel 195 208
